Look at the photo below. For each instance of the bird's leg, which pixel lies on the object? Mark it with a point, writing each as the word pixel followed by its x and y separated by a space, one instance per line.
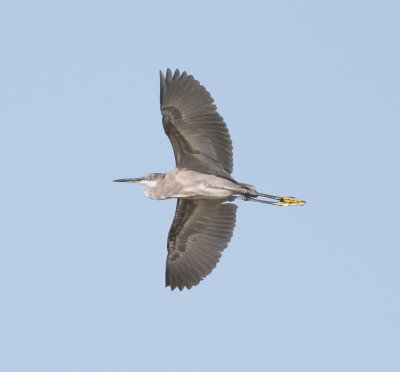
pixel 283 201
pixel 248 198
pixel 269 196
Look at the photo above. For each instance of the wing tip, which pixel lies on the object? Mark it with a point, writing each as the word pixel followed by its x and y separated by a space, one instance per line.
pixel 162 77
pixel 181 287
pixel 176 74
pixel 177 281
pixel 168 74
pixel 173 76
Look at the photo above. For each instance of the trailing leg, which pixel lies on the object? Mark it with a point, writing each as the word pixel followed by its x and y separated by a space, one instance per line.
pixel 282 201
pixel 249 198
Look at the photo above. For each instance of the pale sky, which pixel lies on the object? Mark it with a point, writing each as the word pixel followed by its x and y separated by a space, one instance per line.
pixel 310 93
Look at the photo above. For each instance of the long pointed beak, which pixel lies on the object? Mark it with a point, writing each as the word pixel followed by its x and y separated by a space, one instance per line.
pixel 134 180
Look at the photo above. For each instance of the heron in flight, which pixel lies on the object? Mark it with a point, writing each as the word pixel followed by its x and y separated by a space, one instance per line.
pixel 202 182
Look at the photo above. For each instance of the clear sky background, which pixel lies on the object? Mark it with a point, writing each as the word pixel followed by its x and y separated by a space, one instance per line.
pixel 310 93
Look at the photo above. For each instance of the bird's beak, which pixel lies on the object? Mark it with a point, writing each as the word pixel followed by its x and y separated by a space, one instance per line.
pixel 134 180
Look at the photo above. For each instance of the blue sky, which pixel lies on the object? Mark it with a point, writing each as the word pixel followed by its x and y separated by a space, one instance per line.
pixel 310 93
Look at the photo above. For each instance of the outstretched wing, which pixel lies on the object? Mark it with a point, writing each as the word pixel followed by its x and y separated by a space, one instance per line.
pixel 198 134
pixel 201 230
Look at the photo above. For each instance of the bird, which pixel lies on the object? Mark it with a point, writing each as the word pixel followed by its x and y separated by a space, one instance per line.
pixel 201 182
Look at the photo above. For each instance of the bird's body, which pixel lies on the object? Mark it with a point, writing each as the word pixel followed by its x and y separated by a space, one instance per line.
pixel 193 185
pixel 202 182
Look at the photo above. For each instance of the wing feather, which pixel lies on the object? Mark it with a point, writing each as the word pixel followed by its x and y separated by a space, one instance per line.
pixel 201 230
pixel 198 134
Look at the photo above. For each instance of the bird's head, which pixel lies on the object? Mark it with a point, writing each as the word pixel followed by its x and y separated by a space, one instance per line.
pixel 149 180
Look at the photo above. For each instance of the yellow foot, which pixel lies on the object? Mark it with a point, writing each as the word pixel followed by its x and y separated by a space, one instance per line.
pixel 285 201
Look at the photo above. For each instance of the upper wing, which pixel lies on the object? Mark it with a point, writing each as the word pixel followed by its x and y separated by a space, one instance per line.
pixel 197 132
pixel 201 230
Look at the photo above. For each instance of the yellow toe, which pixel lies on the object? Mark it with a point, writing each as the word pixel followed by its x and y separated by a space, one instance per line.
pixel 289 200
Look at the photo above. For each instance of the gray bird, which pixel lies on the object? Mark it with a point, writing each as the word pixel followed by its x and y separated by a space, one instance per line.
pixel 202 182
